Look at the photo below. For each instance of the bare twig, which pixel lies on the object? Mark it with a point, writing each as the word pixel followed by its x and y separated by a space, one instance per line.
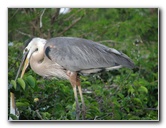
pixel 104 41
pixel 111 42
pixel 95 118
pixel 38 114
pixel 67 28
pixel 23 33
pixel 153 109
pixel 41 16
pixel 55 16
pixel 53 19
pixel 14 14
pixel 87 91
pixel 37 29
pixel 68 18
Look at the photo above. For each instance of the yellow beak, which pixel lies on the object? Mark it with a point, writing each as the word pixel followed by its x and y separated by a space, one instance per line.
pixel 26 63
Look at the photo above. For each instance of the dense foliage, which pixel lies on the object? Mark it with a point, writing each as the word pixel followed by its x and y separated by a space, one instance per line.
pixel 122 94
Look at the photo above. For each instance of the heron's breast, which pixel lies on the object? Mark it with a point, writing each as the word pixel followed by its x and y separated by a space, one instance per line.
pixel 55 70
pixel 49 69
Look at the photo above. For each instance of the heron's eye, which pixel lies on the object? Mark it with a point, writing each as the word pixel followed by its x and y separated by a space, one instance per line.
pixel 26 50
pixel 36 49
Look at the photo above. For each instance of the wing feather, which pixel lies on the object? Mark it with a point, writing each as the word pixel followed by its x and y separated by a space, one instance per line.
pixel 76 54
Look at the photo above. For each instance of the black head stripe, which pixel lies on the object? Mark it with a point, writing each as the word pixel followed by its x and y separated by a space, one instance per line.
pixel 47 51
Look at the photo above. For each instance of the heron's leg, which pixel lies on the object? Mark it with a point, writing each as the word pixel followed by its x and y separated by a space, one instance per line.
pixel 77 103
pixel 82 101
pixel 72 78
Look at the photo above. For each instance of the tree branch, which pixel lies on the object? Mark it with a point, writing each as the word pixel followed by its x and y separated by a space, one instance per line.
pixel 68 18
pixel 105 41
pixel 55 16
pixel 67 28
pixel 23 33
pixel 37 29
pixel 53 19
pixel 14 14
pixel 38 114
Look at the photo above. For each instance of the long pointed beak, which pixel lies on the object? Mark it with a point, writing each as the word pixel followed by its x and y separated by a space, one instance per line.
pixel 25 65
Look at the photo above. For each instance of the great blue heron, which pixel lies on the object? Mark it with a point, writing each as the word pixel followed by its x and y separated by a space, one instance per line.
pixel 65 57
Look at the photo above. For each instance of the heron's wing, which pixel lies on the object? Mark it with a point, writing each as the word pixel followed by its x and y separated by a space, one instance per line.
pixel 77 54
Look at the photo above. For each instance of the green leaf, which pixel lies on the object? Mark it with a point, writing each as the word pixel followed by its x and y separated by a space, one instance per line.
pixel 117 115
pixel 134 118
pixel 13 82
pixel 14 117
pixel 116 103
pixel 127 109
pixel 143 89
pixel 22 104
pixel 86 83
pixel 137 100
pixel 31 81
pixel 21 83
pixel 120 95
pixel 131 90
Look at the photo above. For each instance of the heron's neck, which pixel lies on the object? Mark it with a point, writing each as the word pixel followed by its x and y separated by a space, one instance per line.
pixel 36 60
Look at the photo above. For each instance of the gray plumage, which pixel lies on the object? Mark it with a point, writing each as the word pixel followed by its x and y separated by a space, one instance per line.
pixel 76 54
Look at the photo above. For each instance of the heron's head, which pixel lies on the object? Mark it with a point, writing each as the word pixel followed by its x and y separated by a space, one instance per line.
pixel 33 46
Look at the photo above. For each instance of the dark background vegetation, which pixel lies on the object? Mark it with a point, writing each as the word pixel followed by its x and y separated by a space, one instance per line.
pixel 122 94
